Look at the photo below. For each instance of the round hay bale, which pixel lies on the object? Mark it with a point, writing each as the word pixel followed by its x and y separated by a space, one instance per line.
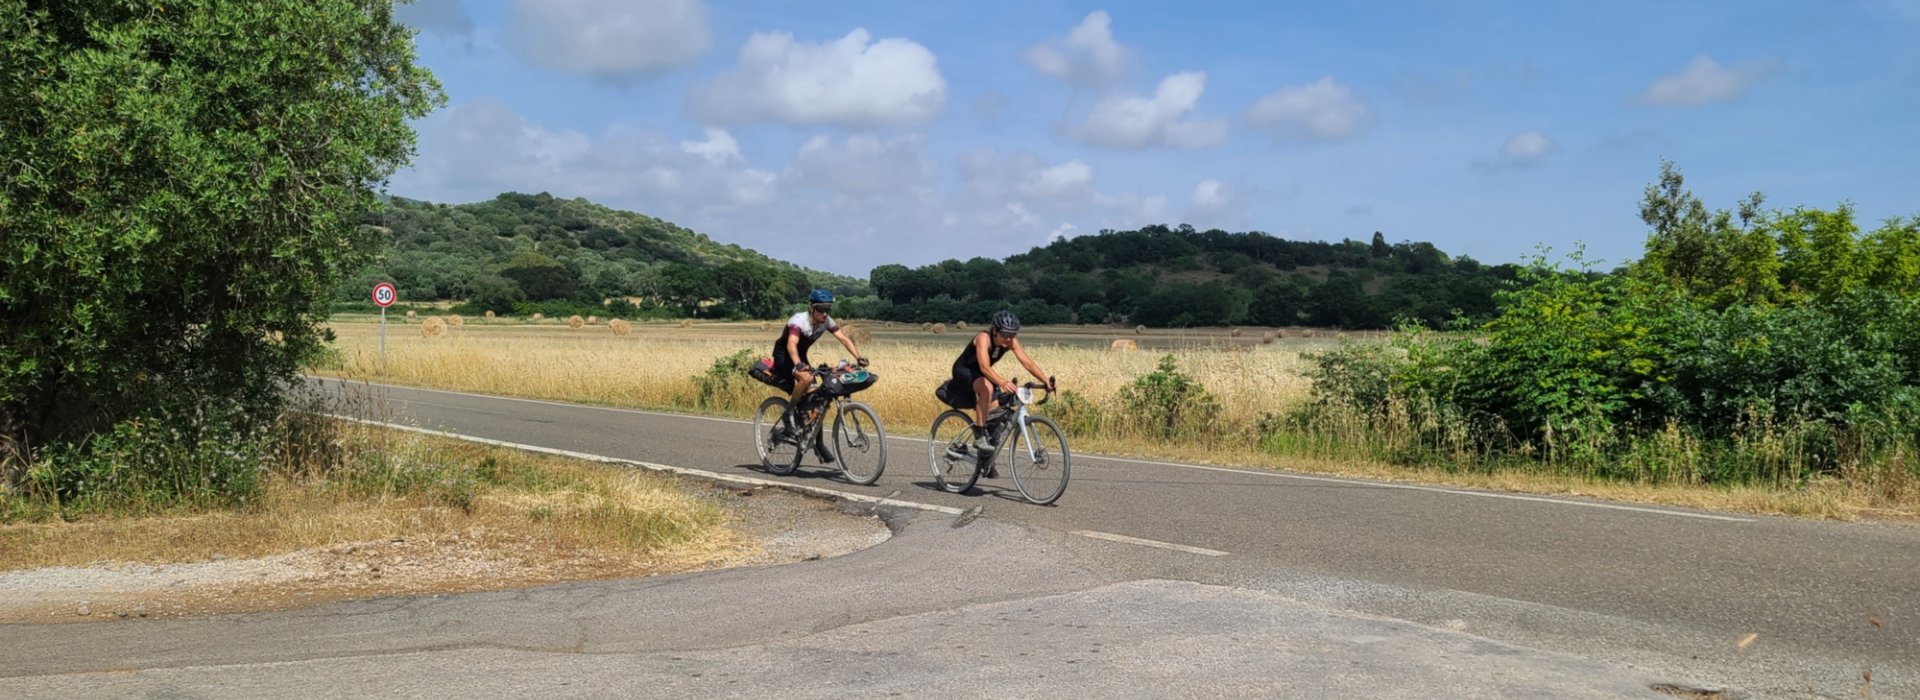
pixel 1123 345
pixel 593 320
pixel 960 325
pixel 1308 333
pixel 1236 332
pixel 686 323
pixel 766 325
pixel 926 327
pixel 538 317
pixel 888 324
pixel 619 327
pixel 1269 337
pixel 575 322
pixel 456 321
pixel 488 314
pixel 433 328
pixel 411 314
pixel 1139 330
pixel 860 335
pixel 939 328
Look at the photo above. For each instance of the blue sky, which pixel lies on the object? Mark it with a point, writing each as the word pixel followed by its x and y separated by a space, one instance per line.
pixel 849 134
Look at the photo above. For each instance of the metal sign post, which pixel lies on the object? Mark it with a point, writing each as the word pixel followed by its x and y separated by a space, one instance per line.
pixel 383 297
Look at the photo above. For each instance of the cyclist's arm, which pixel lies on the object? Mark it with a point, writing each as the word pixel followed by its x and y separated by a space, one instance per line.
pixel 793 351
pixel 1020 352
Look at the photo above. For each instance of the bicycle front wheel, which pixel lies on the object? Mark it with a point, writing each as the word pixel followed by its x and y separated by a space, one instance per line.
pixel 955 467
pixel 859 443
pixel 1039 465
pixel 779 453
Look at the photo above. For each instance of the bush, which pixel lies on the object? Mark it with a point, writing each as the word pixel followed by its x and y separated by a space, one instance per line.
pixel 166 257
pixel 725 385
pixel 1167 403
pixel 171 457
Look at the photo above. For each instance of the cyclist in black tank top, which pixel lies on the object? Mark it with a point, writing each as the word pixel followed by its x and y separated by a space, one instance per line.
pixel 972 379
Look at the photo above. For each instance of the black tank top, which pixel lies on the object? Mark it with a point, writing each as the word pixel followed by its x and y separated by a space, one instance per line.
pixel 970 360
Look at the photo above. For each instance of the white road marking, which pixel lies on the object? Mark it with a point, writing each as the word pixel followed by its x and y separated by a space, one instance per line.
pixel 1128 460
pixel 1095 534
pixel 683 471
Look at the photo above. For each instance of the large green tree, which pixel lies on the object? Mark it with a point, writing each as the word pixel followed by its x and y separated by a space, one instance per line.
pixel 181 183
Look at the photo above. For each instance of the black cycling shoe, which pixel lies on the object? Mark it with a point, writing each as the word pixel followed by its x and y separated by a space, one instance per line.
pixel 826 456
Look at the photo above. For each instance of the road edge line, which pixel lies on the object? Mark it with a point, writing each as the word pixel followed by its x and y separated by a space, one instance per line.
pixel 681 471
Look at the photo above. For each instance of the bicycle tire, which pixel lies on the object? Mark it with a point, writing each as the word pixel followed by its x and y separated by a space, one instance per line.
pixel 953 475
pixel 773 453
pixel 1041 482
pixel 854 439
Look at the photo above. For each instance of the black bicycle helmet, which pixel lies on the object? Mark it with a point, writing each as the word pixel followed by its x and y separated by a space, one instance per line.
pixel 1005 322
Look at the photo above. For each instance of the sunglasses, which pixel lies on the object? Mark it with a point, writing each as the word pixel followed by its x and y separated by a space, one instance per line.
pixel 823 308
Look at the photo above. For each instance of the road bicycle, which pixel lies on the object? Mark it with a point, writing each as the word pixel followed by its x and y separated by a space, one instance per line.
pixel 859 443
pixel 1036 448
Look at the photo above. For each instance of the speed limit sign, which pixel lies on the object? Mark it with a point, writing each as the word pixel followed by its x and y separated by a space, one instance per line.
pixel 384 294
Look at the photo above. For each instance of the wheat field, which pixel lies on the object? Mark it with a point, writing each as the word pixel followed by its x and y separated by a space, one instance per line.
pixel 653 366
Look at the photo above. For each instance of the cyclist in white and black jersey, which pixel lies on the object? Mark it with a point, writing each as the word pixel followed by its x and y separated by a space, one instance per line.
pixel 790 362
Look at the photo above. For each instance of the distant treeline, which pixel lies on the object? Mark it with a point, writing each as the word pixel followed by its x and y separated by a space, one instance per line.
pixel 1162 276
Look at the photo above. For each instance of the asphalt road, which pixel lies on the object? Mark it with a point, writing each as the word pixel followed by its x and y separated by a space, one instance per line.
pixel 1770 606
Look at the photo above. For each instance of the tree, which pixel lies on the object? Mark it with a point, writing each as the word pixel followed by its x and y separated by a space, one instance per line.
pixel 756 290
pixel 1380 250
pixel 184 184
pixel 541 277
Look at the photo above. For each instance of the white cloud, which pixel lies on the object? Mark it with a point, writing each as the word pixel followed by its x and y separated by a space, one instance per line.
pixel 1704 81
pixel 1324 110
pixel 1088 56
pixel 1523 150
pixel 443 17
pixel 854 81
pixel 479 149
pixel 1211 194
pixel 612 41
pixel 1132 122
pixel 1072 178
pixel 1020 194
pixel 719 147
pixel 863 165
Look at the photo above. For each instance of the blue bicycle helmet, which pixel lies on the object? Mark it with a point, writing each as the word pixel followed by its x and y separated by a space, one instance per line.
pixel 820 296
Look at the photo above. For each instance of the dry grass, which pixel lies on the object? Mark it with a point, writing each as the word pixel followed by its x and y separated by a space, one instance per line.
pixel 564 505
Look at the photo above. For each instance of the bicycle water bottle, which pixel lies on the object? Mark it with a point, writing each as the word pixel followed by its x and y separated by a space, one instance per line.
pixel 843 365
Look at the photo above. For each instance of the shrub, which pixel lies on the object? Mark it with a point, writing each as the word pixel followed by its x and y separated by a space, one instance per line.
pixel 725 384
pixel 1168 403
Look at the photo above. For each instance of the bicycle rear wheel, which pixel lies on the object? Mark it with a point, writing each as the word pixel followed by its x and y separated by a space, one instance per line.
pixel 779 455
pixel 955 467
pixel 1038 460
pixel 859 443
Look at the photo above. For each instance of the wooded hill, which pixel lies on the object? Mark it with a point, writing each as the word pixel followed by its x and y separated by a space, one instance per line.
pixel 521 253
